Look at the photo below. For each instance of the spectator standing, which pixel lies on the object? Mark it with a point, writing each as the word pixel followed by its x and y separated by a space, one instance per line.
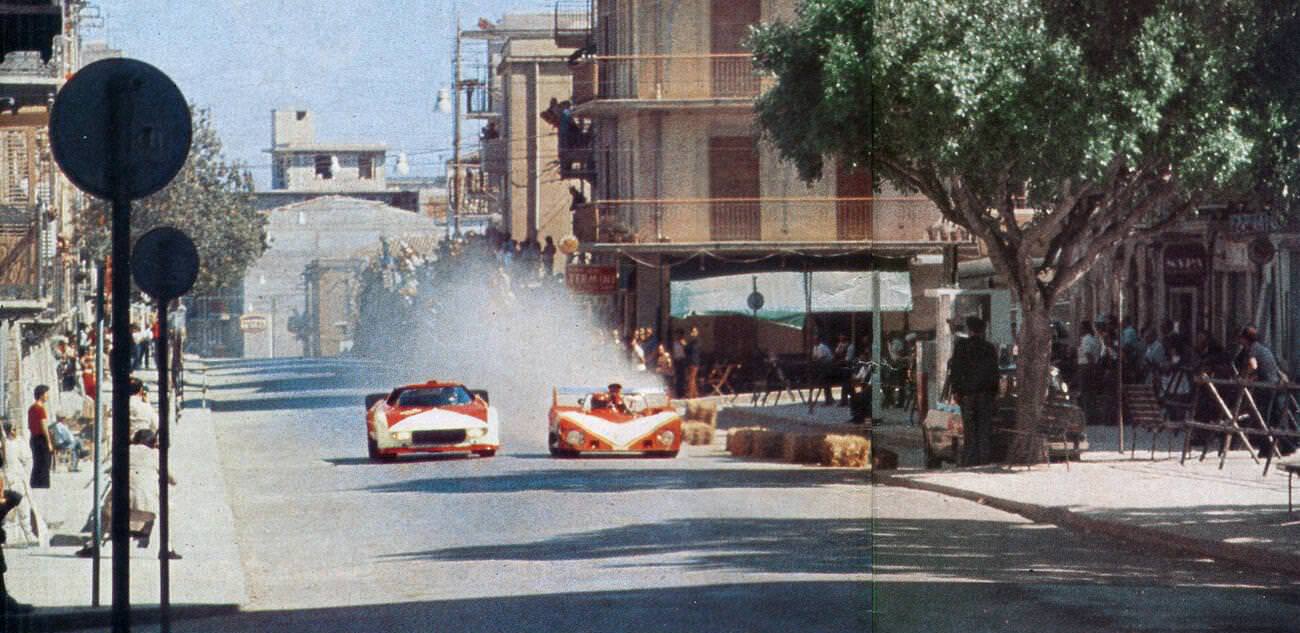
pixel 973 376
pixel 679 364
pixel 842 355
pixel 38 420
pixel 664 365
pixel 1089 371
pixel 823 360
pixel 16 465
pixel 548 256
pixel 694 358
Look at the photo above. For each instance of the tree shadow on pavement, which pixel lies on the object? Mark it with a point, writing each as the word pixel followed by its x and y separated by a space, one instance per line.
pixel 766 607
pixel 786 546
pixel 597 480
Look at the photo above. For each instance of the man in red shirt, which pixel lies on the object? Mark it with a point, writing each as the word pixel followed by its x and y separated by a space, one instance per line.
pixel 38 419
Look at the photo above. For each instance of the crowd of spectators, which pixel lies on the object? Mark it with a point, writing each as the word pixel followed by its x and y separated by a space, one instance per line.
pixel 1171 360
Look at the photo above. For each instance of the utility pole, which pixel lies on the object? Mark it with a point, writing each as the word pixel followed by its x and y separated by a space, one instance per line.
pixel 455 134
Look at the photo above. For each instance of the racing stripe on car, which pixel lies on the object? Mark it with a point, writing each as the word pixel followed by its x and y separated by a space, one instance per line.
pixel 620 435
pixel 437 419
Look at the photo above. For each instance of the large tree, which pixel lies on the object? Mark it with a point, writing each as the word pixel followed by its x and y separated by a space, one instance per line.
pixel 210 199
pixel 1117 116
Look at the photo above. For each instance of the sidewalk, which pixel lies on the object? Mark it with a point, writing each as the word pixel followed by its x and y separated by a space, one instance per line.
pixel 1237 514
pixel 208 581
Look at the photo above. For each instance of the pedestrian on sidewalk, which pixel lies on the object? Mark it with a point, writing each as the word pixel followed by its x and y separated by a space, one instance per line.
pixel 142 493
pixel 973 376
pixel 9 499
pixel 16 467
pixel 38 429
pixel 139 412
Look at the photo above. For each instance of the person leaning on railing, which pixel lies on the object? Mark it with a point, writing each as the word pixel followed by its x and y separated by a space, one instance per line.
pixel 1257 363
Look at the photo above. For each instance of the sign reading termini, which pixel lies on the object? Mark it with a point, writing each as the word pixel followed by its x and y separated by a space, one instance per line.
pixel 591 280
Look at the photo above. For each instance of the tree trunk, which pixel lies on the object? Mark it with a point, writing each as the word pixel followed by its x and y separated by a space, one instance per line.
pixel 1032 366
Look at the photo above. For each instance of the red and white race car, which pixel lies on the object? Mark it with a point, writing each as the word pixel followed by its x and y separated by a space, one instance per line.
pixel 611 420
pixel 431 417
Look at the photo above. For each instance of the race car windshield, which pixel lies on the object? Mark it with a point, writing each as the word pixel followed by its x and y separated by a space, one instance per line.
pixel 434 397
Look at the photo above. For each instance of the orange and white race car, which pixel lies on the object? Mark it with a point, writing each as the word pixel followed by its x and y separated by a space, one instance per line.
pixel 431 417
pixel 611 420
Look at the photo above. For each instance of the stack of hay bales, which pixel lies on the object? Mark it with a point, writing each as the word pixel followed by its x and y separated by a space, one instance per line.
pixel 801 447
pixel 851 451
pixel 701 422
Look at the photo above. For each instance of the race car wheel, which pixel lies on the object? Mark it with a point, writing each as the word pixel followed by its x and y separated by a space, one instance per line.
pixel 663 454
pixel 554 447
pixel 487 453
pixel 372 449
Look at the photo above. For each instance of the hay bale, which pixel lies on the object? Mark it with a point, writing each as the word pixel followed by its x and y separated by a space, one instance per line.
pixel 851 451
pixel 803 448
pixel 768 444
pixel 883 459
pixel 740 442
pixel 697 434
pixel 702 411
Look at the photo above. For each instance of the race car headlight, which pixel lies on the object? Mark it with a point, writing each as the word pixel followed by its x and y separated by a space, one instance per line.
pixel 574 438
pixel 476 433
pixel 402 436
pixel 666 438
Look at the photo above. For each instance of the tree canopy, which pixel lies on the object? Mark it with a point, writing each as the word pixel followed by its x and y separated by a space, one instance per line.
pixel 210 199
pixel 1103 117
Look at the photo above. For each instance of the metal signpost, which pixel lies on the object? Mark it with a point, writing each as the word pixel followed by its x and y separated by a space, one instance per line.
pixel 98 534
pixel 120 130
pixel 166 265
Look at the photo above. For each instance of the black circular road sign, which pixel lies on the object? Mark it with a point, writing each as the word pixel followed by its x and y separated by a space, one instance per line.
pixel 755 301
pixel 164 263
pixel 125 116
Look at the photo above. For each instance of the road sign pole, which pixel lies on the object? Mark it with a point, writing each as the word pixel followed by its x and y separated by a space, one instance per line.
pixel 119 151
pixel 164 447
pixel 98 532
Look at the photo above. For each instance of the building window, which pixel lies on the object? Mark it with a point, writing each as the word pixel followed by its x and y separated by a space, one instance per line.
pixel 365 168
pixel 324 167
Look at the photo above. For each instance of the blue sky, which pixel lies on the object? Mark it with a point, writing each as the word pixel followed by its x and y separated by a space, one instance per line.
pixel 369 70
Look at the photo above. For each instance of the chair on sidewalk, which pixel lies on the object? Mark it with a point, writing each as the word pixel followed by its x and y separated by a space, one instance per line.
pixel 774 380
pixel 719 380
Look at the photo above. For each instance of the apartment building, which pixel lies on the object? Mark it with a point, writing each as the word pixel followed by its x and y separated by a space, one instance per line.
pixel 517 73
pixel 660 129
pixel 39 261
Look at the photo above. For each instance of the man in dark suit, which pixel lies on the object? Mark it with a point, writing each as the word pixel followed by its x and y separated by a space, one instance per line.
pixel 973 376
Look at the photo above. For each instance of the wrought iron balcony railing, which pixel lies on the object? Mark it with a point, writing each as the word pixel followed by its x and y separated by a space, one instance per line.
pixel 573 23
pixel 667 77
pixel 20 255
pixel 900 219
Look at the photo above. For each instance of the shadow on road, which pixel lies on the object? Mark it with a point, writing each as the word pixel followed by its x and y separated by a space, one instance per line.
pixel 786 546
pixel 404 459
pixel 823 607
pixel 596 480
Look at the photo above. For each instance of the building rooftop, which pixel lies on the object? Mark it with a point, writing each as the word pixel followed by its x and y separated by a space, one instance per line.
pixel 316 148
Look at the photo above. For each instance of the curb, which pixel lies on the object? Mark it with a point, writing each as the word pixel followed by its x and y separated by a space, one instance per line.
pixel 78 619
pixel 1166 542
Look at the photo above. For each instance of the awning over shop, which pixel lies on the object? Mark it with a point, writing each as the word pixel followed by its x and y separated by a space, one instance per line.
pixel 788 295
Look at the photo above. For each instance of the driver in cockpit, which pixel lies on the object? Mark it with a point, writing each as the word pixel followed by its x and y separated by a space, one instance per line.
pixel 616 398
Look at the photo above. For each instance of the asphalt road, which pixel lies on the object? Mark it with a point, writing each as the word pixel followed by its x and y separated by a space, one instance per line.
pixel 703 543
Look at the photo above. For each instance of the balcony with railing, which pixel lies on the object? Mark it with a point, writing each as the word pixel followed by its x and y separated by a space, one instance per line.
pixel 20 258
pixel 573 23
pixel 667 80
pixel 874 219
